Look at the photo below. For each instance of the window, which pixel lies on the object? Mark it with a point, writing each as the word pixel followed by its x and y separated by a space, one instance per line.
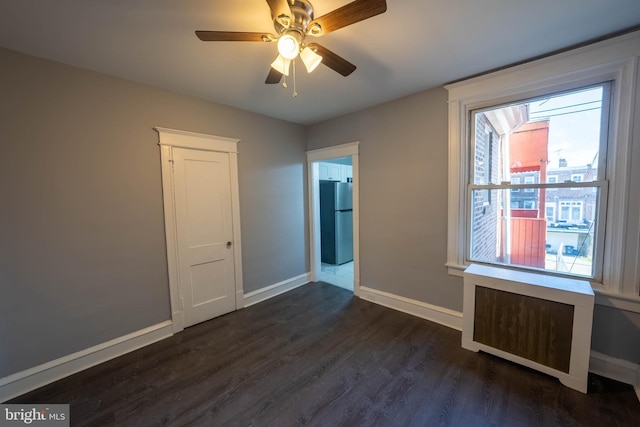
pixel 611 65
pixel 550 214
pixel 515 180
pixel 529 180
pixel 576 178
pixel 571 212
pixel 560 129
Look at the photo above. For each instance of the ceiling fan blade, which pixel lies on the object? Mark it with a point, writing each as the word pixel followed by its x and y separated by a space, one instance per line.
pixel 232 36
pixel 273 77
pixel 333 61
pixel 356 11
pixel 279 7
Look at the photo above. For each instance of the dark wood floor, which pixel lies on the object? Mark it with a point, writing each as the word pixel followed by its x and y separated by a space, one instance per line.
pixel 318 356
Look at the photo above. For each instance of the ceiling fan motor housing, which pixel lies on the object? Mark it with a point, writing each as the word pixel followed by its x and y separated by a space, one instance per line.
pixel 302 15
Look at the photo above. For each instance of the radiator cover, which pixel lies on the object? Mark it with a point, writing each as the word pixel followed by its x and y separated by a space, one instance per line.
pixel 540 321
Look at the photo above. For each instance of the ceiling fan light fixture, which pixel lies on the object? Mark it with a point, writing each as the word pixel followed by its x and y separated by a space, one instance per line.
pixel 310 59
pixel 282 65
pixel 288 46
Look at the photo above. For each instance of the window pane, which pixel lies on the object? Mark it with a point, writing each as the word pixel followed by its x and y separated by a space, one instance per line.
pixel 556 136
pixel 529 235
pixel 486 152
pixel 574 121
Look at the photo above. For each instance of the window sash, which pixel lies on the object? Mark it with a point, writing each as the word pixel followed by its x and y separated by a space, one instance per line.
pixel 605 117
pixel 515 186
pixel 599 232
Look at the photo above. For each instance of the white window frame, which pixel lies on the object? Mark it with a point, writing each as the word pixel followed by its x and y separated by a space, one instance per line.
pixel 555 177
pixel 613 60
pixel 530 186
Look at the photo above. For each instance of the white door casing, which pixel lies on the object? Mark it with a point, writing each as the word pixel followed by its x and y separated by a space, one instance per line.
pixel 199 222
pixel 313 157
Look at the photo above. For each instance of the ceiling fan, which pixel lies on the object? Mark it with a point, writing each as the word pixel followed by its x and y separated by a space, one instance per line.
pixel 293 21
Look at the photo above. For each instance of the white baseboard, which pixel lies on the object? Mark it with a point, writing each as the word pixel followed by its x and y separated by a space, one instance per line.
pixel 616 369
pixel 434 313
pixel 30 379
pixel 276 289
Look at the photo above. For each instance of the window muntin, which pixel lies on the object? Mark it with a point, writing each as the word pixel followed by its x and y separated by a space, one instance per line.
pixel 553 223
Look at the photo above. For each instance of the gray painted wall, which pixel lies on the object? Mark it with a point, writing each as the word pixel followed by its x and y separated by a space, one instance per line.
pixel 616 333
pixel 403 195
pixel 82 245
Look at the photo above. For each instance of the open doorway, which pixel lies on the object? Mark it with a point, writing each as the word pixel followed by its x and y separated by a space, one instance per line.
pixel 336 221
pixel 333 206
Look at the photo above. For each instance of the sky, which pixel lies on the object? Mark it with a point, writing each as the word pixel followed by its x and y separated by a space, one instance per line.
pixel 574 125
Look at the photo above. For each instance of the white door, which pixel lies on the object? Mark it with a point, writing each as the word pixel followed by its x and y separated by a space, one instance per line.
pixel 202 187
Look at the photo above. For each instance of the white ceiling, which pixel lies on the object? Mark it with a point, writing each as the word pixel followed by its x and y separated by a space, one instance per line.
pixel 415 45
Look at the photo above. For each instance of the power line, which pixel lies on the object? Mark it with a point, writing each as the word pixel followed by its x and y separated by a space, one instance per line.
pixel 570 112
pixel 568 106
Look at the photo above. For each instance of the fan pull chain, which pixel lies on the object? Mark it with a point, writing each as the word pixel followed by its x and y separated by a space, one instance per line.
pixel 294 79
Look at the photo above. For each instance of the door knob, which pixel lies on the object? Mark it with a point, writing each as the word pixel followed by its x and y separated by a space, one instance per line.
pixel 228 245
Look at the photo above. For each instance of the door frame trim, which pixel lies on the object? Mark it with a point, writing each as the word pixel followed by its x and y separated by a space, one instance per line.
pixel 169 138
pixel 313 157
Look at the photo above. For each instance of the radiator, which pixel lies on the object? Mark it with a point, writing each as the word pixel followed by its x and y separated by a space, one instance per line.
pixel 540 321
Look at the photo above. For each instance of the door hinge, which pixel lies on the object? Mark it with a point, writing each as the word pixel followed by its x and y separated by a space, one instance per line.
pixel 181 304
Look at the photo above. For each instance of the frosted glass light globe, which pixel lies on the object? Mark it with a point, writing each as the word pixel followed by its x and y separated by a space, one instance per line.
pixel 288 46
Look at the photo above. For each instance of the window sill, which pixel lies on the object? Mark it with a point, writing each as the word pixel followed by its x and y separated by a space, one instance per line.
pixel 456 270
